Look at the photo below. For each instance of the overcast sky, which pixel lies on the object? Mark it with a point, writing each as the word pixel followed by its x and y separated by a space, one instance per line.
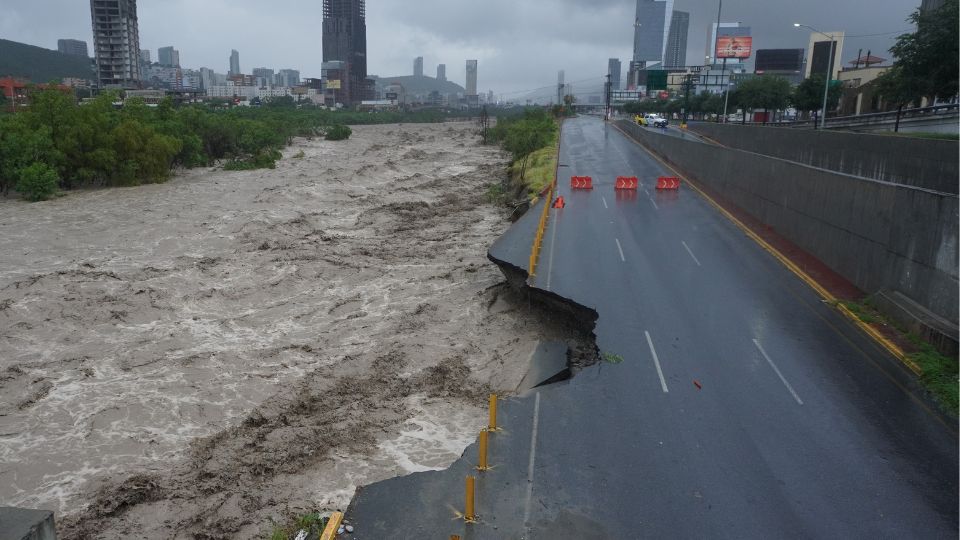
pixel 520 44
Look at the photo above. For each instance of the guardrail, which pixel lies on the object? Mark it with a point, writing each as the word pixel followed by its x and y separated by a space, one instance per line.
pixel 934 112
pixel 541 229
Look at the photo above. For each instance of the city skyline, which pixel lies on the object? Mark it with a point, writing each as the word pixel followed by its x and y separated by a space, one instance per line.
pixel 581 37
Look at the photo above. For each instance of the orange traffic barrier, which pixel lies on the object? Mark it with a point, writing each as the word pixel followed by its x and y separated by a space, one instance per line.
pixel 626 182
pixel 559 203
pixel 581 182
pixel 668 182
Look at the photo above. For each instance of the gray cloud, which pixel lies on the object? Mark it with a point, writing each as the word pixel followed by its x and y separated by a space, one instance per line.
pixel 520 44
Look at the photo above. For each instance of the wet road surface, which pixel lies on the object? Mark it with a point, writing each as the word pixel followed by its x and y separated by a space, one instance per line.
pixel 737 404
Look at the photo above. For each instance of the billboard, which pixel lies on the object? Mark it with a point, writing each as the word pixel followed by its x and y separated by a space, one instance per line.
pixel 333 85
pixel 734 46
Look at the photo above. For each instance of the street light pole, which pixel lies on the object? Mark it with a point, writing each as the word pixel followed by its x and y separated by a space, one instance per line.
pixel 826 84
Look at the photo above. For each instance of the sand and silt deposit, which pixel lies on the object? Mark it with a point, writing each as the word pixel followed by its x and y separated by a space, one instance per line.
pixel 195 358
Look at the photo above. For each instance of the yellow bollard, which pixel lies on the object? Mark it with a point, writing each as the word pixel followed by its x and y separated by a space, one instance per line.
pixel 469 515
pixel 482 465
pixel 493 413
pixel 330 531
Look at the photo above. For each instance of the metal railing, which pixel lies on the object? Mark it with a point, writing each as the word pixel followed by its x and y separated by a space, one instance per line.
pixel 877 118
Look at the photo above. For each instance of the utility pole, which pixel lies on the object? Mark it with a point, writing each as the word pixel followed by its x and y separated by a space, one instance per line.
pixel 484 122
pixel 686 100
pixel 607 87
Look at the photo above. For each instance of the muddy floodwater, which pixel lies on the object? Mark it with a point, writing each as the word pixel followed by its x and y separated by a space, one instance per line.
pixel 200 356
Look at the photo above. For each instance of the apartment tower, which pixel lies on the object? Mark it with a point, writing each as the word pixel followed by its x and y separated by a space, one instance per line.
pixel 345 40
pixel 116 43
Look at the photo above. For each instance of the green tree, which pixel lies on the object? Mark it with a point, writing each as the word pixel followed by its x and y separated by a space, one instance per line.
pixel 338 132
pixel 808 95
pixel 20 146
pixel 769 93
pixel 37 182
pixel 926 60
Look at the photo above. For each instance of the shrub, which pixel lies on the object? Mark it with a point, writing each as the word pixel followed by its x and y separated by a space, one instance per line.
pixel 38 182
pixel 338 133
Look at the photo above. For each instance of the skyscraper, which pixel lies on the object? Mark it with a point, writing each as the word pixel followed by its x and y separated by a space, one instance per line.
pixel 116 42
pixel 145 56
pixel 345 40
pixel 73 47
pixel 677 40
pixel 441 72
pixel 418 66
pixel 471 78
pixel 651 28
pixel 168 56
pixel 614 69
pixel 234 63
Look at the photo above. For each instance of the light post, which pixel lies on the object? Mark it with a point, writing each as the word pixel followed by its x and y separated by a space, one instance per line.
pixel 826 84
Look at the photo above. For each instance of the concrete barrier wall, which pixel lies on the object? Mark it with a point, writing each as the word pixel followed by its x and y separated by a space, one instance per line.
pixel 926 163
pixel 876 234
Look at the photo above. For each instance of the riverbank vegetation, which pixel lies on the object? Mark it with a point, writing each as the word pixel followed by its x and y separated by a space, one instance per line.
pixel 531 139
pixel 57 144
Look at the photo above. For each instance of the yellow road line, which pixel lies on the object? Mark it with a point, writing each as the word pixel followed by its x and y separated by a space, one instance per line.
pixel 891 347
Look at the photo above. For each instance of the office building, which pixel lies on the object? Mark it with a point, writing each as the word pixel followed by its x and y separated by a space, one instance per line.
pixel 345 40
pixel 930 5
pixel 471 86
pixel 145 57
pixel 819 59
pixel 288 77
pixel 441 72
pixel 614 69
pixel 234 63
pixel 168 56
pixel 676 55
pixel 116 42
pixel 418 66
pixel 73 47
pixel 263 76
pixel 786 63
pixel 651 28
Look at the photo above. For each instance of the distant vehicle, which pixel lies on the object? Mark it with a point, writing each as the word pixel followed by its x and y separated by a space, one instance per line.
pixel 656 121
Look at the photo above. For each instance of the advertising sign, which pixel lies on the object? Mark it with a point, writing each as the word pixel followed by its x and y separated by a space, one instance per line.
pixel 734 46
pixel 333 85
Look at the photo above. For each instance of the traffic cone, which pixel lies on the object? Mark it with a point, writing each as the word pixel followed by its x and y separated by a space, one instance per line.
pixel 559 202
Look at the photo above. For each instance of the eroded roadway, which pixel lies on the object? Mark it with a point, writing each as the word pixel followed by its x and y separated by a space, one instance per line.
pixel 744 407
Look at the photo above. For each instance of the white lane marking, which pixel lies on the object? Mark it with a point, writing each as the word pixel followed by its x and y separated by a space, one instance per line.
pixel 774 366
pixel 604 199
pixel 553 241
pixel 620 249
pixel 656 362
pixel 533 455
pixel 654 203
pixel 691 253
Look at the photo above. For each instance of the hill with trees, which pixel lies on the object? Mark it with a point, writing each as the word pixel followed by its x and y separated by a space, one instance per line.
pixel 41 65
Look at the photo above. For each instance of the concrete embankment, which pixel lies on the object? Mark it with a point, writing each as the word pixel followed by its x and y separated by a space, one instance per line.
pixel 924 163
pixel 879 235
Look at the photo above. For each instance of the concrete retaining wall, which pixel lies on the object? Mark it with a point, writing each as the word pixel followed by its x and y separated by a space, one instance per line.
pixel 876 234
pixel 926 163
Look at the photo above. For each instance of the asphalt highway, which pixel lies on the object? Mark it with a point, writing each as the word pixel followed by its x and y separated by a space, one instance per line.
pixel 735 403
